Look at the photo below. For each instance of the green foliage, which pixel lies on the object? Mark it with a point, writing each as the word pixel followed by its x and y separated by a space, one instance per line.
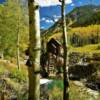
pixel 86 15
pixel 18 76
pixel 87 49
pixel 1 69
pixel 13 21
pixel 21 96
pixel 98 47
pixel 81 36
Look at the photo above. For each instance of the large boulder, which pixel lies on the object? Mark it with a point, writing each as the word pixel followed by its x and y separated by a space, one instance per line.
pixel 79 71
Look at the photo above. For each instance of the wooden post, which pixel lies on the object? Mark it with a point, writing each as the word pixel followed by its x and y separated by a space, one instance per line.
pixel 34 51
pixel 65 66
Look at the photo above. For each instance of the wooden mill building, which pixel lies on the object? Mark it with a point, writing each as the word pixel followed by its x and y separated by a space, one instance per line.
pixel 54 47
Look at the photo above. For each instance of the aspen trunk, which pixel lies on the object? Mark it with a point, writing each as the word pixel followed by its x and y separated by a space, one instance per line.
pixel 65 67
pixel 18 27
pixel 18 60
pixel 34 51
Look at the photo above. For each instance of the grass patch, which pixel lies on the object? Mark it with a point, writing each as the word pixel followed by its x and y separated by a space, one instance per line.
pixel 56 83
pixel 2 69
pixel 78 93
pixel 93 48
pixel 56 90
pixel 15 74
pixel 75 92
pixel 18 76
pixel 56 94
pixel 15 80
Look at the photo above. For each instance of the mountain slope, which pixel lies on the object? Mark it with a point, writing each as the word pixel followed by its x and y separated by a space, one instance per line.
pixel 86 15
pixel 80 16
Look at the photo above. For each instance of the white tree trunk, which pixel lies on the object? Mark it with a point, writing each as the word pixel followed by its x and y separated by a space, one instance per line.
pixel 34 51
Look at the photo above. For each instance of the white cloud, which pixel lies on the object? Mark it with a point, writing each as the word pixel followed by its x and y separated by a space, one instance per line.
pixel 43 19
pixel 49 21
pixel 43 3
pixel 56 19
pixel 56 16
pixel 46 20
pixel 42 27
pixel 72 4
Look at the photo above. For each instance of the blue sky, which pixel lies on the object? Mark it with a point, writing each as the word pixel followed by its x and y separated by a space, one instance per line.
pixel 53 12
pixel 1 1
pixel 50 14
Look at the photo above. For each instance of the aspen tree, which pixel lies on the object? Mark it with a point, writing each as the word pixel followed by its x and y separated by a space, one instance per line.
pixel 65 45
pixel 34 51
